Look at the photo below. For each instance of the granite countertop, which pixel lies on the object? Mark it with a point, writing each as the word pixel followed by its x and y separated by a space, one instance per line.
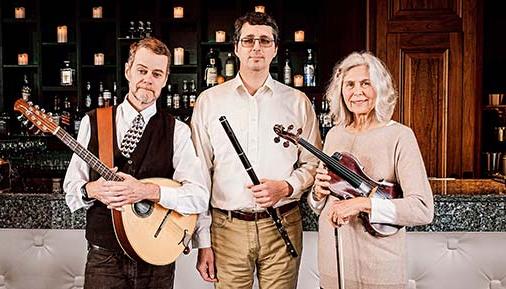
pixel 460 205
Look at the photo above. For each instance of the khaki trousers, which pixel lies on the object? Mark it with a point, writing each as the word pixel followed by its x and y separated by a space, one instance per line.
pixel 241 247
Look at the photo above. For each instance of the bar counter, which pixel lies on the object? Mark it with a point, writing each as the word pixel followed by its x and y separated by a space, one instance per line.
pixel 469 205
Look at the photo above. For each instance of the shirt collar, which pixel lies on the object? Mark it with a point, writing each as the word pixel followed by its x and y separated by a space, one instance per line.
pixel 268 84
pixel 129 112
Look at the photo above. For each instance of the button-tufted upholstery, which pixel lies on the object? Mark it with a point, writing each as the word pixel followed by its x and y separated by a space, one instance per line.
pixel 54 259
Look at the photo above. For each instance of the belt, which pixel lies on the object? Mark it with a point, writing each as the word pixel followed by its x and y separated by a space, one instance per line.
pixel 252 216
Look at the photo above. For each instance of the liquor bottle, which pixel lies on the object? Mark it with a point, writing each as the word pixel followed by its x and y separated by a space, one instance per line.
pixel 78 116
pixel 176 101
pixel 132 30
pixel 148 30
pixel 185 96
pixel 66 121
pixel 287 69
pixel 169 96
pixel 26 91
pixel 100 99
pixel 56 110
pixel 229 67
pixel 140 29
pixel 87 98
pixel 114 94
pixel 193 94
pixel 66 74
pixel 309 69
pixel 107 98
pixel 211 71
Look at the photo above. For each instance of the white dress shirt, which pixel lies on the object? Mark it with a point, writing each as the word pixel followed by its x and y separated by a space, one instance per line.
pixel 252 119
pixel 191 198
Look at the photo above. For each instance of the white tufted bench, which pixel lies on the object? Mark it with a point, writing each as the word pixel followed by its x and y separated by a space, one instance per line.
pixel 54 259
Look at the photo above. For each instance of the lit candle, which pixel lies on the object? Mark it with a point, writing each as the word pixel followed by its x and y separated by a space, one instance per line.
pixel 178 56
pixel 22 58
pixel 299 36
pixel 260 8
pixel 97 12
pixel 220 36
pixel 298 80
pixel 61 34
pixel 98 58
pixel 19 12
pixel 178 12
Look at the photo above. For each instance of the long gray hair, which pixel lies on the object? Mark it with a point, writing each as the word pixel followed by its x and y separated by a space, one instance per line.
pixel 381 81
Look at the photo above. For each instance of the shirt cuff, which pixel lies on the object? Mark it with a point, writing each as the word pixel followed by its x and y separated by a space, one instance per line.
pixel 168 198
pixel 201 239
pixel 296 186
pixel 317 206
pixel 382 211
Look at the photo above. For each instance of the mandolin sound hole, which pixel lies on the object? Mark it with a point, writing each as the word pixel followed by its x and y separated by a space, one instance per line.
pixel 143 208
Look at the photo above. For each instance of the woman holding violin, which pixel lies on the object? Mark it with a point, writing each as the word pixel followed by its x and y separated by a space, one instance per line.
pixel 362 98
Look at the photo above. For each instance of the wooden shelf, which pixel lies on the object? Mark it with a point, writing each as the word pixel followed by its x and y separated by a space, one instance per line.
pixel 491 107
pixel 19 21
pixel 92 66
pixel 15 66
pixel 57 44
pixel 59 88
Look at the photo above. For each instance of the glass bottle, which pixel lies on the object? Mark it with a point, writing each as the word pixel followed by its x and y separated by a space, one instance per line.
pixel 211 71
pixel 193 94
pixel 87 98
pixel 287 69
pixel 114 94
pixel 26 91
pixel 184 96
pixel 229 67
pixel 169 96
pixel 309 69
pixel 100 99
pixel 66 74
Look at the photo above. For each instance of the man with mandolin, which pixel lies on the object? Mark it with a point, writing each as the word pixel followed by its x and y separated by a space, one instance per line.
pixel 362 98
pixel 147 142
pixel 238 236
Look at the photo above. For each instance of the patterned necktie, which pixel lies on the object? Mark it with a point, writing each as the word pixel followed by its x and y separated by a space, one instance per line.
pixel 132 136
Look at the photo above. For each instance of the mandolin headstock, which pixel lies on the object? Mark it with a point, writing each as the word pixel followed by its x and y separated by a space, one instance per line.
pixel 36 116
pixel 287 134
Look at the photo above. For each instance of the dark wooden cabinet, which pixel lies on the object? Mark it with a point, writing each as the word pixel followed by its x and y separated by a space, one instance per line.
pixel 433 51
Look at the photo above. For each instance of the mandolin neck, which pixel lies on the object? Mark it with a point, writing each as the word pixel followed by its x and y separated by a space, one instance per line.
pixel 95 163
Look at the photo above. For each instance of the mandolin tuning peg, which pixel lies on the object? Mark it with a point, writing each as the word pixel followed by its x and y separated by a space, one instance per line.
pixel 276 139
pixel 36 106
pixel 31 127
pixel 30 103
pixel 43 110
pixel 286 144
pixel 25 122
pixel 290 127
pixel 20 117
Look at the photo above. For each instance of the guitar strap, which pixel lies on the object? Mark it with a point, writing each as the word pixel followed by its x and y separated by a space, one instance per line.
pixel 104 126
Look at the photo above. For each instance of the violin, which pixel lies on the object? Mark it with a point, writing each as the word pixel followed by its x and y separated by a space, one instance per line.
pixel 348 179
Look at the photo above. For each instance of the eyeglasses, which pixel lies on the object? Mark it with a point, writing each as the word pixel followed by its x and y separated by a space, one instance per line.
pixel 249 42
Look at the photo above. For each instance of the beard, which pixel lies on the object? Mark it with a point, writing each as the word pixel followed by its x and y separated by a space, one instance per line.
pixel 144 95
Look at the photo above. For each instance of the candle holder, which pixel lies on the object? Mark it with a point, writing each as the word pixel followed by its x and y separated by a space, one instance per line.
pixel 178 12
pixel 260 8
pixel 178 56
pixel 19 12
pixel 298 80
pixel 61 34
pixel 22 58
pixel 220 36
pixel 299 36
pixel 98 58
pixel 97 12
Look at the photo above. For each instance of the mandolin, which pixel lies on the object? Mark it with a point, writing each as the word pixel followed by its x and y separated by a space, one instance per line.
pixel 145 230
pixel 348 179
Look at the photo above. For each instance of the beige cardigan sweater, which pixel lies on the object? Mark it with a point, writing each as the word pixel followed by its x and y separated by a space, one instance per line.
pixel 390 152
